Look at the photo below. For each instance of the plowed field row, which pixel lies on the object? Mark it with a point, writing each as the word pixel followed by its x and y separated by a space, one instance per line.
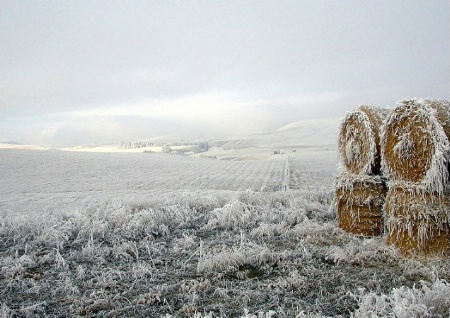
pixel 62 178
pixel 312 171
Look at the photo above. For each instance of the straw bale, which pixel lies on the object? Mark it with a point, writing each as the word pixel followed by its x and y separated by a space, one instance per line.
pixel 359 141
pixel 359 204
pixel 364 221
pixel 407 241
pixel 442 108
pixel 417 220
pixel 361 190
pixel 415 148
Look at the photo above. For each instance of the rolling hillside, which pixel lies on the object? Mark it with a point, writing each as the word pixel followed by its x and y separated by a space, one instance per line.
pixel 306 133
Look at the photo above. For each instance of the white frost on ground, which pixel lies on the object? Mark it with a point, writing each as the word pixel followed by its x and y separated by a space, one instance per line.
pixel 164 235
pixel 58 180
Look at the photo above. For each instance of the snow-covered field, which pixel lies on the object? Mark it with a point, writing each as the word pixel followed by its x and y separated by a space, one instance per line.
pixel 36 181
pixel 248 234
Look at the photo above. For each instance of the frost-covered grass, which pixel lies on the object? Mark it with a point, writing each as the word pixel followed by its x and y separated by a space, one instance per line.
pixel 144 235
pixel 256 254
pixel 428 300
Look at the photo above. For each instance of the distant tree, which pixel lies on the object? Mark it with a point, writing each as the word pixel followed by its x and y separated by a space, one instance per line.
pixel 203 145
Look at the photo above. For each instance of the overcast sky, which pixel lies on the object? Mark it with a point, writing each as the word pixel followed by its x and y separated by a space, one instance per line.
pixel 83 72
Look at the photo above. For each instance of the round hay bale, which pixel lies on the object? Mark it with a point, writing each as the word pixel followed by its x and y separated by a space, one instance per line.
pixel 359 140
pixel 417 221
pixel 359 205
pixel 415 148
pixel 442 109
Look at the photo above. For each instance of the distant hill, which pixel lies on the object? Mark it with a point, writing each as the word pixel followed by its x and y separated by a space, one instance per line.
pixel 305 133
pixel 313 133
pixel 15 145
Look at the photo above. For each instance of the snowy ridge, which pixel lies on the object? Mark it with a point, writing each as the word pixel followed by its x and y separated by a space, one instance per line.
pixel 305 133
pixel 21 147
pixel 313 133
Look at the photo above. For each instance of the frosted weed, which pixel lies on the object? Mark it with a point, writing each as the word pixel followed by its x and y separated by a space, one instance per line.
pixel 275 254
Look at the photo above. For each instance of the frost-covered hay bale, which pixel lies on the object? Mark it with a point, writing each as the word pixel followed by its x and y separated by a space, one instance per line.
pixel 442 108
pixel 417 221
pixel 359 140
pixel 414 145
pixel 359 204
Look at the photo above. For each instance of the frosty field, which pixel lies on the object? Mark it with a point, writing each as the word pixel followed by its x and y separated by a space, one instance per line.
pixel 53 180
pixel 249 234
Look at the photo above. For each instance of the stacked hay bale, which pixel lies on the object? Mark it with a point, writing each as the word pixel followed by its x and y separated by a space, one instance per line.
pixel 415 156
pixel 359 202
pixel 360 190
